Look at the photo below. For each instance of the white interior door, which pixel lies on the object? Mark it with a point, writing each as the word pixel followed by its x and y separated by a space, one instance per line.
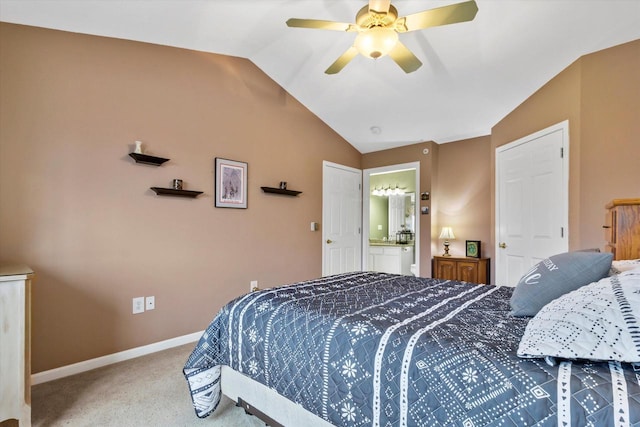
pixel 532 194
pixel 396 213
pixel 341 218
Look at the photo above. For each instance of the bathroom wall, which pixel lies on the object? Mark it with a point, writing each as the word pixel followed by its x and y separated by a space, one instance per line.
pixel 379 205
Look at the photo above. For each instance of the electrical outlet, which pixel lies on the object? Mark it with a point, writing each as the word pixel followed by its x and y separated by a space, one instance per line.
pixel 253 286
pixel 138 305
pixel 150 303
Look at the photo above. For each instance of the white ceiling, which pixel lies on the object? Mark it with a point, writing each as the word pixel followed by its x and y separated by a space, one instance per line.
pixel 473 73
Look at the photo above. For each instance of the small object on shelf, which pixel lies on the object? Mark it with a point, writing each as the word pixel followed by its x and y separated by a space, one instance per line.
pixel 284 192
pixel 177 184
pixel 173 192
pixel 138 149
pixel 147 160
pixel 283 185
pixel 404 236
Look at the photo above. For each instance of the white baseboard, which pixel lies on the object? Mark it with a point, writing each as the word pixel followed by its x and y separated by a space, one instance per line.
pixel 98 362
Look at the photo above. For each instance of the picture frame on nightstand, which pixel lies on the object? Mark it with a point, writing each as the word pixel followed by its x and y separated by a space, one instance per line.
pixel 473 249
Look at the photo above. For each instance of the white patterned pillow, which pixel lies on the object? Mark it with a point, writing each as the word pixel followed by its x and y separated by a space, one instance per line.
pixel 622 265
pixel 600 321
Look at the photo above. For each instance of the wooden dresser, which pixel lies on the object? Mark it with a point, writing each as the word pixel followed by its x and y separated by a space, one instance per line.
pixel 15 344
pixel 474 270
pixel 622 228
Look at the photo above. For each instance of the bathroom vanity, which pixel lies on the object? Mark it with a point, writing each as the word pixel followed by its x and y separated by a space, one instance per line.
pixel 390 258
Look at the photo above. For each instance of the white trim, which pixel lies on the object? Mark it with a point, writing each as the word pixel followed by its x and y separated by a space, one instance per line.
pixel 98 362
pixel 366 195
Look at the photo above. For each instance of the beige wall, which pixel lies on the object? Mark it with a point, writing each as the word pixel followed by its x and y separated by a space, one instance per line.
pixel 600 96
pixel 464 194
pixel 79 211
pixel 457 177
pixel 609 136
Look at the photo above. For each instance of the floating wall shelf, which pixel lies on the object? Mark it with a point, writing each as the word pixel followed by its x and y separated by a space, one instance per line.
pixel 280 191
pixel 172 192
pixel 148 160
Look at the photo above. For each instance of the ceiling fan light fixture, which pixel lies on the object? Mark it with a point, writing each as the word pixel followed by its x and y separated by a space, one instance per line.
pixel 376 42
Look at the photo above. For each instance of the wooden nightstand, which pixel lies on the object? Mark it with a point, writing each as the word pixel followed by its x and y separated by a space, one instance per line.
pixel 474 270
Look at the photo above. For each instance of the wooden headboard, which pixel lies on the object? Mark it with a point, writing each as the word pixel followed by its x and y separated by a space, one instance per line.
pixel 622 228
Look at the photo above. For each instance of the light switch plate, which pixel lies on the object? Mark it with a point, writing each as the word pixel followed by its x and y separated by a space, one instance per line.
pixel 138 305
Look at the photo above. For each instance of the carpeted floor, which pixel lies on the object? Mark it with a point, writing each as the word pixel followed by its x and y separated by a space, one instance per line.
pixel 147 391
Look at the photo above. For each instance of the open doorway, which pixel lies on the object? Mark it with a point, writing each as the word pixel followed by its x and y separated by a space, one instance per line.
pixel 390 219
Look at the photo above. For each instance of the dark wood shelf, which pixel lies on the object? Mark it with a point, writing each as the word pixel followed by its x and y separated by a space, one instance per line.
pixel 147 159
pixel 172 192
pixel 280 191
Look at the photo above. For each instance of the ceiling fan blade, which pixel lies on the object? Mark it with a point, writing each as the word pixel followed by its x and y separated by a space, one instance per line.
pixel 459 12
pixel 405 58
pixel 319 24
pixel 341 62
pixel 379 6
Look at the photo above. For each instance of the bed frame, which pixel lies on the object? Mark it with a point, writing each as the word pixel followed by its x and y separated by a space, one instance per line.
pixel 274 409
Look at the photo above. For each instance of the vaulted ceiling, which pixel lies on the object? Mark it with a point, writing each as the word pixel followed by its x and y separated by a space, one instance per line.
pixel 473 73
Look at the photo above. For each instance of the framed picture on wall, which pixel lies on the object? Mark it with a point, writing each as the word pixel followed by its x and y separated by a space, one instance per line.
pixel 230 184
pixel 473 248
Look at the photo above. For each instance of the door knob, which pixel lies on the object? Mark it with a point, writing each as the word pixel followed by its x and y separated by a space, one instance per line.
pixel 503 245
pixel 329 241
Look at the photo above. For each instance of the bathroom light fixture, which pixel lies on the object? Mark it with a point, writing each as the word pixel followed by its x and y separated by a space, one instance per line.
pixel 388 191
pixel 446 234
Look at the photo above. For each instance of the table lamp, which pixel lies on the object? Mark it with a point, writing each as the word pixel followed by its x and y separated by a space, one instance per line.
pixel 446 234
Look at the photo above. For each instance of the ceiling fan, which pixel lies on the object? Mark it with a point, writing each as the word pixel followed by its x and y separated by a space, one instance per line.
pixel 378 25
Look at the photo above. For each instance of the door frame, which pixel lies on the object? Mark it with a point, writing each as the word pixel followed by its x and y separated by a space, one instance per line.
pixel 564 128
pixel 366 196
pixel 326 164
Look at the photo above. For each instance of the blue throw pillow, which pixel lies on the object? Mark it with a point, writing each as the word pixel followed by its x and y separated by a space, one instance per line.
pixel 555 276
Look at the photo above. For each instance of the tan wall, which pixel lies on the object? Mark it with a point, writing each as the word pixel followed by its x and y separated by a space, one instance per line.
pixel 79 211
pixel 464 194
pixel 600 96
pixel 610 135
pixel 456 175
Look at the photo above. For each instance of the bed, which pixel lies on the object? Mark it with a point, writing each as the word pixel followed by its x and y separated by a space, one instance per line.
pixel 375 349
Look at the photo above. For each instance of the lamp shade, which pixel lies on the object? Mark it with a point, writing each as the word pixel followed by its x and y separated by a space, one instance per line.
pixel 447 233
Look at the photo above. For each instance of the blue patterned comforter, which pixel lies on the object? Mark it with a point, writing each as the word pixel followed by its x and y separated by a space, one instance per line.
pixel 374 349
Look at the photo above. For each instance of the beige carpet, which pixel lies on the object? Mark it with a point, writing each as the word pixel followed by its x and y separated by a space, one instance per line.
pixel 147 391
